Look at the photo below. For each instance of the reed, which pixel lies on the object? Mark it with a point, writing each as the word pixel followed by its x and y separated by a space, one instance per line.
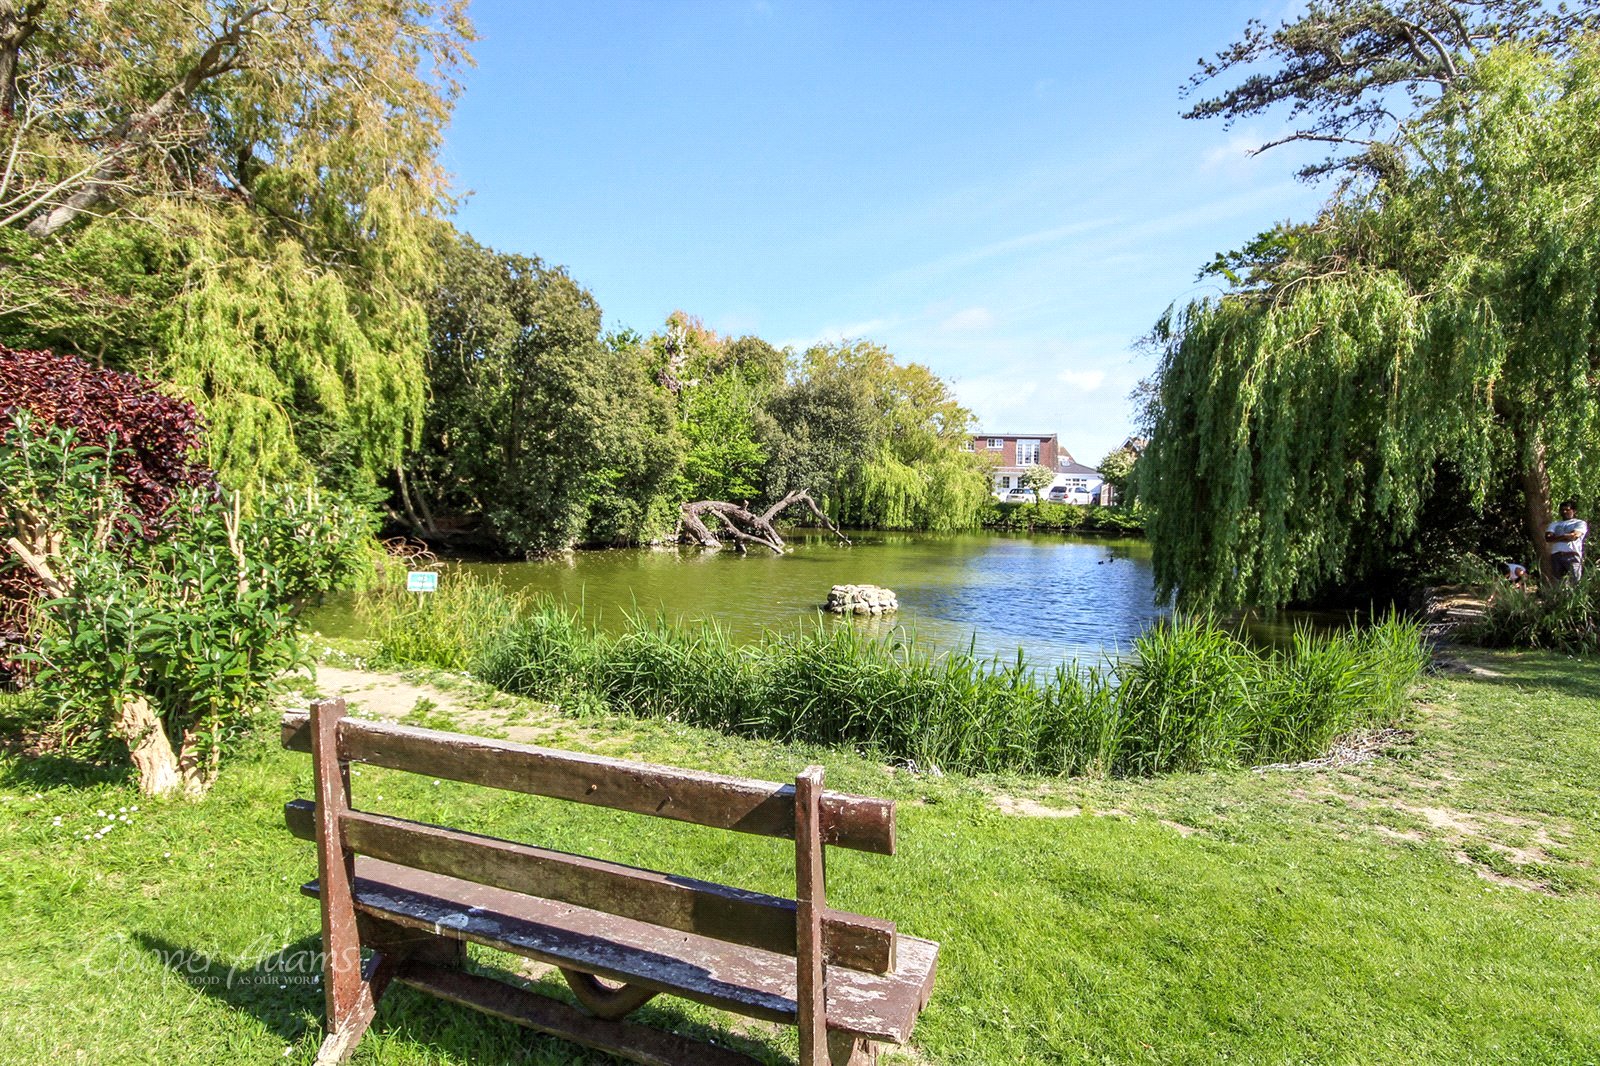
pixel 1564 617
pixel 1190 694
pixel 448 629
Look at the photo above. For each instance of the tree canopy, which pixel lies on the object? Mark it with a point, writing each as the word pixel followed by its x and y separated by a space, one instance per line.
pixel 1435 330
pixel 229 197
pixel 1350 73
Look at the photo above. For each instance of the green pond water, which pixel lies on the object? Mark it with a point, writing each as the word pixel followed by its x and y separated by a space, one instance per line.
pixel 1057 598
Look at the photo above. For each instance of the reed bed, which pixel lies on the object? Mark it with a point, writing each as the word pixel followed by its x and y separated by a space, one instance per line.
pixel 1189 695
pixel 1563 617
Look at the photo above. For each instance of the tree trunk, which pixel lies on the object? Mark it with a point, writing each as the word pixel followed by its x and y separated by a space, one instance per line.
pixel 1535 480
pixel 17 24
pixel 199 760
pixel 405 499
pixel 147 742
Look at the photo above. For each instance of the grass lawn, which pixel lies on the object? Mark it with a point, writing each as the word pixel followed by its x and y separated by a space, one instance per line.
pixel 1438 904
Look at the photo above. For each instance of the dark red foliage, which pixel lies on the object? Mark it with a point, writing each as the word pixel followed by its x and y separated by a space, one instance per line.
pixel 157 438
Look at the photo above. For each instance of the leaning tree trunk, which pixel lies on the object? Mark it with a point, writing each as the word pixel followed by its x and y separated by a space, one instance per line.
pixel 1535 480
pixel 744 526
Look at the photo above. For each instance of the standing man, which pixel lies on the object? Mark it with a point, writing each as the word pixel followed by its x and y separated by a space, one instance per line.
pixel 1565 537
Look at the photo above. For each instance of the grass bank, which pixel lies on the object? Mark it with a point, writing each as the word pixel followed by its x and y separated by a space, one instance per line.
pixel 1438 904
pixel 1188 695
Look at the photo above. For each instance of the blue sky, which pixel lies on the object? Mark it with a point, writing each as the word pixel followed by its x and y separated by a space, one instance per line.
pixel 1003 191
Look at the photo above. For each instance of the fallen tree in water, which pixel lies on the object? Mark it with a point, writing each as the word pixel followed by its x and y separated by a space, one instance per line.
pixel 704 519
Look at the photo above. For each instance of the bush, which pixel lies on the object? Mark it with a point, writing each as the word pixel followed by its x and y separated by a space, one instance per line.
pixel 165 632
pixel 1047 517
pixel 145 442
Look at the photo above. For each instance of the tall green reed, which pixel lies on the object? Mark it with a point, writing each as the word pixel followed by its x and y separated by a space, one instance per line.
pixel 1189 695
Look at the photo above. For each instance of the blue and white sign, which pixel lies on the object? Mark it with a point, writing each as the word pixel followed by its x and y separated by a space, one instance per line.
pixel 422 581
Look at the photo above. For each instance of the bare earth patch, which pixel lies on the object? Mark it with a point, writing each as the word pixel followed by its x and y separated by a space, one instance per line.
pixel 386 696
pixel 392 697
pixel 1023 807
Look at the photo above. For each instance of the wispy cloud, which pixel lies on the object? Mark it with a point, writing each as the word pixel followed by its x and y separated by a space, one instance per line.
pixel 870 329
pixel 964 321
pixel 1011 245
pixel 1087 380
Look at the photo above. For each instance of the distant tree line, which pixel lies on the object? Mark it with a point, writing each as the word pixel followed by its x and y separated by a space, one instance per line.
pixel 544 431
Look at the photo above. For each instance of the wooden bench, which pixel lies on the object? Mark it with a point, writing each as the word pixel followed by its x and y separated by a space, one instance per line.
pixel 412 895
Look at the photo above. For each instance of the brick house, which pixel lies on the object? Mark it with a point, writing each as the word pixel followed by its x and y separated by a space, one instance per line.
pixel 1017 452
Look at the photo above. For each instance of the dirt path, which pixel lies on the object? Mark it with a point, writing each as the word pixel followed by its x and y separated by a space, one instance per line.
pixel 388 696
pixel 471 708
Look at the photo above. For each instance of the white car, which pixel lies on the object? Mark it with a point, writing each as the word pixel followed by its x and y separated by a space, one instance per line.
pixel 1021 496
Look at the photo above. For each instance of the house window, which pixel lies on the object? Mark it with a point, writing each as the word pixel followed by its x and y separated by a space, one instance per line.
pixel 996 442
pixel 1027 453
pixel 1005 481
pixel 966 446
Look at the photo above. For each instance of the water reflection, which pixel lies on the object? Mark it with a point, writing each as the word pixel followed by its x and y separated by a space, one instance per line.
pixel 1058 598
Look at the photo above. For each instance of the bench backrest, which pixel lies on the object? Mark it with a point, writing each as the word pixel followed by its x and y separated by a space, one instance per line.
pixel 804 812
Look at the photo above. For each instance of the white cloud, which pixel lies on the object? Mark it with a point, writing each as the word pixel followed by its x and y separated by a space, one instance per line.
pixel 969 319
pixel 1087 380
pixel 871 329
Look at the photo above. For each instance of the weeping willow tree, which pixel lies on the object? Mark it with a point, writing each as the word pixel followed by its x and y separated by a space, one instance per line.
pixel 232 198
pixel 297 369
pixel 1446 316
pixel 915 472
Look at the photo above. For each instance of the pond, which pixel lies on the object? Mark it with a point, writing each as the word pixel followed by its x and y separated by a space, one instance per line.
pixel 1055 597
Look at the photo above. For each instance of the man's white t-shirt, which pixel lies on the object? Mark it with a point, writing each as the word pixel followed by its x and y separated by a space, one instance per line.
pixel 1562 526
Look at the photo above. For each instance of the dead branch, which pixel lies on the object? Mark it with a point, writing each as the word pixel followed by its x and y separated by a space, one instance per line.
pixel 40 567
pixel 743 525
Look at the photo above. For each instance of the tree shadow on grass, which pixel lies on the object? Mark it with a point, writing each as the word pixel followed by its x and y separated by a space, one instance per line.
pixel 1575 677
pixel 283 991
pixel 39 773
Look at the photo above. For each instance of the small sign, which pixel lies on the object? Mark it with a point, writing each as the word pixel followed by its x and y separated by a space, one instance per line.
pixel 422 581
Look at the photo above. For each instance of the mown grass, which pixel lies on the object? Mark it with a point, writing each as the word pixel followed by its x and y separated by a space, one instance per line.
pixel 1310 917
pixel 1188 695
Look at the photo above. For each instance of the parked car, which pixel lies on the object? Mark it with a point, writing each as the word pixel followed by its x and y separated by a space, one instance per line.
pixel 1057 494
pixel 1021 496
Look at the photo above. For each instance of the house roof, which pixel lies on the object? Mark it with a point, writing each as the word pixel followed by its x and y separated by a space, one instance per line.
pixel 1077 468
pixel 1016 436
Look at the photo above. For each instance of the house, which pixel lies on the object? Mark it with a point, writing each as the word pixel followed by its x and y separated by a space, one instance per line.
pixel 1018 453
pixel 1082 484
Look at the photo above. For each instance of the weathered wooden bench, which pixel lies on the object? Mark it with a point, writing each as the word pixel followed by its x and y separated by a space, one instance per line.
pixel 412 895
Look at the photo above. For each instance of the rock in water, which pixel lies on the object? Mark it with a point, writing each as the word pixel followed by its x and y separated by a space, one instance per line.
pixel 861 599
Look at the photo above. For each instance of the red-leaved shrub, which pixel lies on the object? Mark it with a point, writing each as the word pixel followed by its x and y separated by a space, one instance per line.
pixel 157 439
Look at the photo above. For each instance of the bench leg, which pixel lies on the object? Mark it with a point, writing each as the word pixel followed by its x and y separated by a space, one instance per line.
pixel 403 942
pixel 603 1000
pixel 346 1031
pixel 845 1049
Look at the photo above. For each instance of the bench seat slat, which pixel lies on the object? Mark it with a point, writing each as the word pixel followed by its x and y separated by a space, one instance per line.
pixel 745 980
pixel 742 804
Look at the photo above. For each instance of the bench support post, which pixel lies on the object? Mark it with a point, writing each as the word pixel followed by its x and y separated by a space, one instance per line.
pixel 811 997
pixel 351 992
